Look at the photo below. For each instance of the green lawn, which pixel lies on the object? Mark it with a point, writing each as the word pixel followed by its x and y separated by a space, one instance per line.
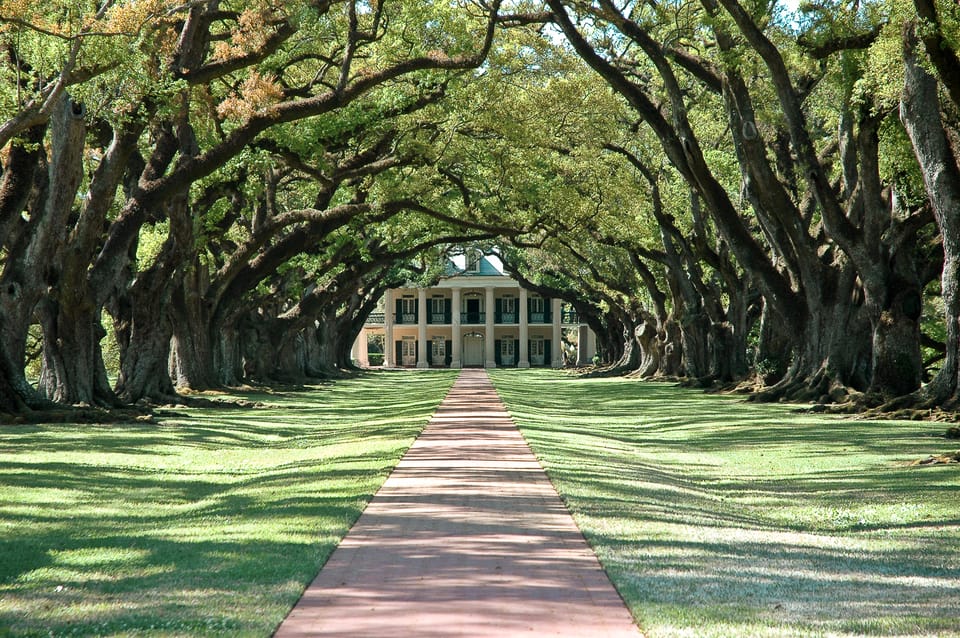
pixel 209 523
pixel 716 517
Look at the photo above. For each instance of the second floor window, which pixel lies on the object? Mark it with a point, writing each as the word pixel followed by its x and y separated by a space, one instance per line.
pixel 538 310
pixel 408 310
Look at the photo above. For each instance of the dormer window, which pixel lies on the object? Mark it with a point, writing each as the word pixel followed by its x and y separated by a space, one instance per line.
pixel 474 258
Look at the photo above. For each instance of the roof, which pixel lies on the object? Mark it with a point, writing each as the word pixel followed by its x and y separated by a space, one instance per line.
pixel 456 267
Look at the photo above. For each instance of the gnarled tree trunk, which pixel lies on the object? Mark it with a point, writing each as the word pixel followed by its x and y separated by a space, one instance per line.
pixel 920 113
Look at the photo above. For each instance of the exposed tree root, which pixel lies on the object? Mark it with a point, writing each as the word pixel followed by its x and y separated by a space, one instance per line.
pixel 937 459
pixel 822 388
pixel 80 414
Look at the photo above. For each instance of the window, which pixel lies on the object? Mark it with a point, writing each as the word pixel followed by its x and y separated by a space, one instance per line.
pixel 508 310
pixel 436 304
pixel 474 258
pixel 408 309
pixel 537 314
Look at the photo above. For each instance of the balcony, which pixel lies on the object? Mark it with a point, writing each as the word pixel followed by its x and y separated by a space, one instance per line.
pixel 438 318
pixel 468 318
pixel 507 318
pixel 405 319
pixel 541 317
pixel 569 317
pixel 376 318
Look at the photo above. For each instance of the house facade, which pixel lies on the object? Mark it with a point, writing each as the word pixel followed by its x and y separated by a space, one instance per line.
pixel 475 317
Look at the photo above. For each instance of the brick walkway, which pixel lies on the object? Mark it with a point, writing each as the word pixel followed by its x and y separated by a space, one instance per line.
pixel 467 537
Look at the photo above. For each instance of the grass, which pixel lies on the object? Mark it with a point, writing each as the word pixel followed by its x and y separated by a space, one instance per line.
pixel 210 523
pixel 718 518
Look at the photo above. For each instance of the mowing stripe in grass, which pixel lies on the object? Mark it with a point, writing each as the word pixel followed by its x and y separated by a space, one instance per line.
pixel 717 518
pixel 210 523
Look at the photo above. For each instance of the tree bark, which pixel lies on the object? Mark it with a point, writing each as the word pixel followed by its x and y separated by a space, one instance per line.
pixel 194 338
pixel 920 113
pixel 32 264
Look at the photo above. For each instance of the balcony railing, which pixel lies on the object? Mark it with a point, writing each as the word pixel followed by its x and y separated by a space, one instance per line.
pixel 473 317
pixel 501 318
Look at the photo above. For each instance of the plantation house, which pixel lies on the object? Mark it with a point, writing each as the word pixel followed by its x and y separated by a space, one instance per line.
pixel 476 316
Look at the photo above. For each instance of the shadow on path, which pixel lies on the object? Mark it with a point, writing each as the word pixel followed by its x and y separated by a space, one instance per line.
pixel 467 537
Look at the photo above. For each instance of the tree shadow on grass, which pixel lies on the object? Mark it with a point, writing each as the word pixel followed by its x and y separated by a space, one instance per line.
pixel 719 517
pixel 209 523
pixel 184 571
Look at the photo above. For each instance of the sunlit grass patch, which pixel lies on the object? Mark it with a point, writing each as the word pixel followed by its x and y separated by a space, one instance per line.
pixel 718 518
pixel 209 523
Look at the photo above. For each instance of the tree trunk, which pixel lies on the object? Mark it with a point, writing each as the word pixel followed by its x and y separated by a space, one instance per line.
pixel 672 364
pixel 192 348
pixel 651 349
pixel 73 370
pixel 145 348
pixel 833 353
pixel 31 265
pixel 920 113
pixel 775 348
pixel 724 352
pixel 695 335
pixel 897 362
pixel 228 361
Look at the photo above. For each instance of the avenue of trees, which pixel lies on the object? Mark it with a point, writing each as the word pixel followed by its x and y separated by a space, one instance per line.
pixel 200 194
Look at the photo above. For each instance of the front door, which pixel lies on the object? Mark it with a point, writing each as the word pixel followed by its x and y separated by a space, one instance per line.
pixel 536 352
pixel 408 354
pixel 473 349
pixel 507 351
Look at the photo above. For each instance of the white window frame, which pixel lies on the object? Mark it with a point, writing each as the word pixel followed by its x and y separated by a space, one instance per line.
pixel 408 309
pixel 537 346
pixel 408 351
pixel 439 349
pixel 474 258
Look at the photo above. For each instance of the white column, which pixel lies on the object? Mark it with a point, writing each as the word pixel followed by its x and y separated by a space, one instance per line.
pixel 359 353
pixel 422 328
pixel 583 342
pixel 488 349
pixel 591 344
pixel 524 353
pixel 388 347
pixel 557 334
pixel 455 360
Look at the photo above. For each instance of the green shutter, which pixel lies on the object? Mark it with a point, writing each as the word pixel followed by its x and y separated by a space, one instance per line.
pixel 496 352
pixel 547 353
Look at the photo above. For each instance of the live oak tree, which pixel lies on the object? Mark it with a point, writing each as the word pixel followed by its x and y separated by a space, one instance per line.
pixel 929 112
pixel 820 204
pixel 218 78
